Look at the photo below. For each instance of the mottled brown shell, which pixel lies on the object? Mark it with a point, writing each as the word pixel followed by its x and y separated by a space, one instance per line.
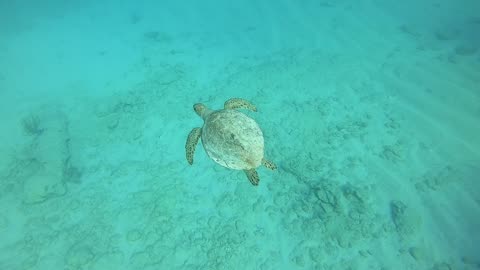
pixel 233 140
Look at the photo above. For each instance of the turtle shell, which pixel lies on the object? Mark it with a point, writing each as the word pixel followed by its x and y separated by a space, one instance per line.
pixel 233 140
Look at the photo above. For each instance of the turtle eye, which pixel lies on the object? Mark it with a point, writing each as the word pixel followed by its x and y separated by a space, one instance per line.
pixel 199 108
pixel 196 107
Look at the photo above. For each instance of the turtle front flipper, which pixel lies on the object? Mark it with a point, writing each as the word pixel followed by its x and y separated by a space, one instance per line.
pixel 192 142
pixel 269 164
pixel 252 176
pixel 239 103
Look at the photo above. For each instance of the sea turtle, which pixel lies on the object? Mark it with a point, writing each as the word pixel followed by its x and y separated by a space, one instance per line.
pixel 230 138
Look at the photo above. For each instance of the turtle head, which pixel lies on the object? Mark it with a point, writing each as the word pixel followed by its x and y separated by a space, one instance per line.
pixel 201 110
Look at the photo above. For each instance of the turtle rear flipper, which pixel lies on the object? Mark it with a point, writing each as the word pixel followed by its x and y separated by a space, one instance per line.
pixel 192 142
pixel 239 103
pixel 269 164
pixel 252 176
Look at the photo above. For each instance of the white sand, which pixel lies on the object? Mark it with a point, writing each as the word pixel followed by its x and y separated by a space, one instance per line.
pixel 372 115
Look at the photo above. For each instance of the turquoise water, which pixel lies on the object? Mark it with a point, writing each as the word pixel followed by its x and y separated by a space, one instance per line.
pixel 369 109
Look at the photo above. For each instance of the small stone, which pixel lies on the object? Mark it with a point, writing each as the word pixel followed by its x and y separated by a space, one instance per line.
pixel 343 241
pixel 112 122
pixel 364 253
pixel 407 221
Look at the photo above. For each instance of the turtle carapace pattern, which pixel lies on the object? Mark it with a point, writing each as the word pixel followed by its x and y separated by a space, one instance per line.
pixel 230 138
